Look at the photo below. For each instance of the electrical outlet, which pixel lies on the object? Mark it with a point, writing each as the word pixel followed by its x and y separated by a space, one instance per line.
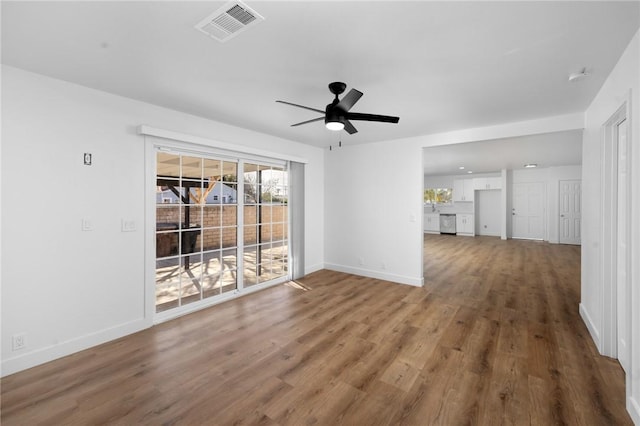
pixel 383 265
pixel 18 341
pixel 360 261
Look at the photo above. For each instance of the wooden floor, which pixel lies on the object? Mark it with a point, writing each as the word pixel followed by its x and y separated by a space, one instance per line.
pixel 493 338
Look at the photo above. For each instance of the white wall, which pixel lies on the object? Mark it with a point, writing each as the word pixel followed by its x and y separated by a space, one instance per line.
pixel 438 181
pixel 373 215
pixel 446 181
pixel 625 77
pixel 68 289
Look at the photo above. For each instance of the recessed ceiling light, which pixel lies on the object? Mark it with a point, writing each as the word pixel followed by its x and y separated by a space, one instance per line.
pixel 469 171
pixel 530 166
pixel 461 167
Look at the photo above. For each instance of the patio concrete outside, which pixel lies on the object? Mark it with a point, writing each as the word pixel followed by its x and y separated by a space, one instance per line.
pixel 212 273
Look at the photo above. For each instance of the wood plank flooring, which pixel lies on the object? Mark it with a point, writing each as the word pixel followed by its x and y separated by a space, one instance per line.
pixel 493 338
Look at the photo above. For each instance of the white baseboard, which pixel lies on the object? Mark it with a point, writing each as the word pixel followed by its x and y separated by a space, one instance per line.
pixel 313 268
pixel 417 282
pixel 633 407
pixel 593 330
pixel 49 353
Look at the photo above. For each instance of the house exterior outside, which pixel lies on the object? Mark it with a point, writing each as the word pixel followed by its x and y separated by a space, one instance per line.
pixel 220 194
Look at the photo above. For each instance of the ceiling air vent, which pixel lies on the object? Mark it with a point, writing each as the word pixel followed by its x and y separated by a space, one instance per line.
pixel 229 21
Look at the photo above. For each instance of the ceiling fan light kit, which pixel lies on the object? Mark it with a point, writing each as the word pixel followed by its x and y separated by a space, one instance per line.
pixel 336 126
pixel 337 114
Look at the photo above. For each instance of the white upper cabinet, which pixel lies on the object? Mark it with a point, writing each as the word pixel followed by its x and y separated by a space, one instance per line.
pixel 463 190
pixel 480 184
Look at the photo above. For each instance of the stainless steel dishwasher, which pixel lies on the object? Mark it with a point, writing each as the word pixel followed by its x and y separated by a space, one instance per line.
pixel 447 223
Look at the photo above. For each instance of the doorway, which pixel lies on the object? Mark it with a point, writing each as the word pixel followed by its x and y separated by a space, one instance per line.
pixel 221 228
pixel 616 228
pixel 569 206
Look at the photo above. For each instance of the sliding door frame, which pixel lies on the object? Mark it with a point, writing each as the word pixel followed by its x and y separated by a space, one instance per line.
pixel 155 140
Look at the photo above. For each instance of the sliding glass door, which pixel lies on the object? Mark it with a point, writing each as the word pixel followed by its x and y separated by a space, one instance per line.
pixel 200 202
pixel 266 215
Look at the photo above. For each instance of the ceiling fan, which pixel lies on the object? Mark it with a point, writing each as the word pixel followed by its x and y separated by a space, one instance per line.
pixel 336 114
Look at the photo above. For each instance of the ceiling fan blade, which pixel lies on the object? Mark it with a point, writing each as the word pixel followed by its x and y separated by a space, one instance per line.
pixel 308 121
pixel 349 127
pixel 349 99
pixel 302 106
pixel 371 117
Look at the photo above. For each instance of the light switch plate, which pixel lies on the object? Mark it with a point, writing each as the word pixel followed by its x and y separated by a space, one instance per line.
pixel 87 225
pixel 128 225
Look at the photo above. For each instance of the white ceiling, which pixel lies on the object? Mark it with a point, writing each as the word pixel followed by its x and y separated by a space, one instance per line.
pixel 438 65
pixel 545 150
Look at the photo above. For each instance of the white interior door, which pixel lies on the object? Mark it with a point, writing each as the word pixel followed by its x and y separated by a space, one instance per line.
pixel 622 261
pixel 528 211
pixel 570 213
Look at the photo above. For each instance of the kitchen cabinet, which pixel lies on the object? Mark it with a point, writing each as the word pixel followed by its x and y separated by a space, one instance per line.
pixel 463 190
pixel 464 224
pixel 432 223
pixel 481 184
